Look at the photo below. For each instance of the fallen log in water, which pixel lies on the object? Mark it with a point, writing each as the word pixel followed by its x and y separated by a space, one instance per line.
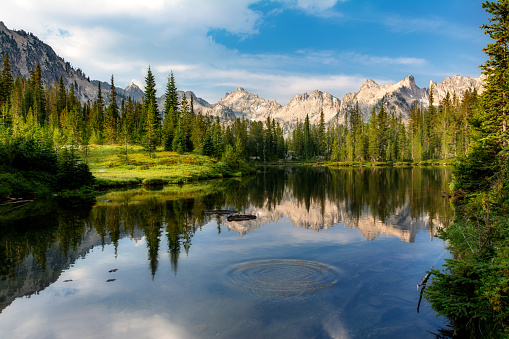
pixel 423 286
pixel 14 202
pixel 220 212
pixel 241 217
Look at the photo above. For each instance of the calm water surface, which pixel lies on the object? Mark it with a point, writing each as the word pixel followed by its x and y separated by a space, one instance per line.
pixel 331 254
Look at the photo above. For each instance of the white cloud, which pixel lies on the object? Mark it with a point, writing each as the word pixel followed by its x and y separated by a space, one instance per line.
pixel 315 7
pixel 124 37
pixel 397 61
pixel 270 86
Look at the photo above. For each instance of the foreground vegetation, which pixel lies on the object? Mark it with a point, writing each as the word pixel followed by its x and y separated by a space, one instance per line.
pixel 473 291
pixel 30 169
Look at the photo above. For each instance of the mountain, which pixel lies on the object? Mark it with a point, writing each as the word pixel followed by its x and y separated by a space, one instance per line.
pixel 199 104
pixel 241 103
pixel 457 84
pixel 132 91
pixel 308 104
pixel 399 97
pixel 26 51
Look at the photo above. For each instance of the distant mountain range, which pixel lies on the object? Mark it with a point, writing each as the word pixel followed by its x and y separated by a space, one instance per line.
pixel 26 51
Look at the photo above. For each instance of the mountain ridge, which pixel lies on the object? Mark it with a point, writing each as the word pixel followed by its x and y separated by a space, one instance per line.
pixel 26 51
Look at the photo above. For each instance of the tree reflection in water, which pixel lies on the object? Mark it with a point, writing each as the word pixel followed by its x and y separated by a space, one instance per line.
pixel 45 237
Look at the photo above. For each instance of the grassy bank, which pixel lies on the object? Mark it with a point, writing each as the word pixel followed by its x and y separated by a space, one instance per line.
pixel 336 164
pixel 112 167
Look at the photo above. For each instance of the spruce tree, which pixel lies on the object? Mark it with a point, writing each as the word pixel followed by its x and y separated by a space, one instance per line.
pixel 39 95
pixel 208 145
pixel 150 103
pixel 494 99
pixel 321 135
pixel 112 114
pixel 61 96
pixel 150 139
pixel 170 112
pixel 6 81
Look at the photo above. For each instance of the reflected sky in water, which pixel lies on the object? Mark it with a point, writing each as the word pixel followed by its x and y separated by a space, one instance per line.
pixel 374 293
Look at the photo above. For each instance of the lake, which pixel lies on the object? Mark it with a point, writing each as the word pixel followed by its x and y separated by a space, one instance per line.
pixel 331 254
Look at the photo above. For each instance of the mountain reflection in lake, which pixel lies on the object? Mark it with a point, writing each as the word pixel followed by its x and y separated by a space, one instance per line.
pixel 331 254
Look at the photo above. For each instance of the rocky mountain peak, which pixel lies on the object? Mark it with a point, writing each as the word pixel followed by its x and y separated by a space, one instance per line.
pixel 369 84
pixel 134 92
pixel 310 105
pixel 132 86
pixel 457 85
pixel 408 82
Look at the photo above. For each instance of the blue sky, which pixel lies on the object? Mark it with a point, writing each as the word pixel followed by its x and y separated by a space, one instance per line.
pixel 275 48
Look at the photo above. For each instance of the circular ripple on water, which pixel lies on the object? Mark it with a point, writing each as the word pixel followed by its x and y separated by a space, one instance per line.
pixel 282 279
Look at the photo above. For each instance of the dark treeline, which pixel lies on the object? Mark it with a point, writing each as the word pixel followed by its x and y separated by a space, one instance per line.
pixel 54 116
pixel 434 132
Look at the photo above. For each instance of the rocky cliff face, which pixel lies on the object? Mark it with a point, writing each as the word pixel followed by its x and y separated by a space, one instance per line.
pixel 457 85
pixel 26 51
pixel 308 104
pixel 397 98
pixel 241 103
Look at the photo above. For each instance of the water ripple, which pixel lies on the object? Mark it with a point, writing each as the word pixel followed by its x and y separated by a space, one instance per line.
pixel 282 279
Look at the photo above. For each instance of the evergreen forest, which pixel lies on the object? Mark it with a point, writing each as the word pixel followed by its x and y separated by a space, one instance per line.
pixel 37 118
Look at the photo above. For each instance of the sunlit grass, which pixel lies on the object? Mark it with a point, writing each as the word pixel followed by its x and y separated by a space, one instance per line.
pixel 110 165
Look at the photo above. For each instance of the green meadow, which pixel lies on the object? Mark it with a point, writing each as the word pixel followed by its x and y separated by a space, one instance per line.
pixel 114 165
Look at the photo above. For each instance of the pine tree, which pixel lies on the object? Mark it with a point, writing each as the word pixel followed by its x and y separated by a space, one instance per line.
pixel 179 141
pixel 321 135
pixel 382 122
pixel 208 145
pixel 126 129
pixel 150 103
pixel 61 96
pixel 373 135
pixel 171 96
pixel 150 140
pixel 489 123
pixel 308 141
pixel 97 118
pixel 112 114
pixel 6 81
pixel 218 138
pixel 494 99
pixel 170 112
pixel 360 143
pixel 39 95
